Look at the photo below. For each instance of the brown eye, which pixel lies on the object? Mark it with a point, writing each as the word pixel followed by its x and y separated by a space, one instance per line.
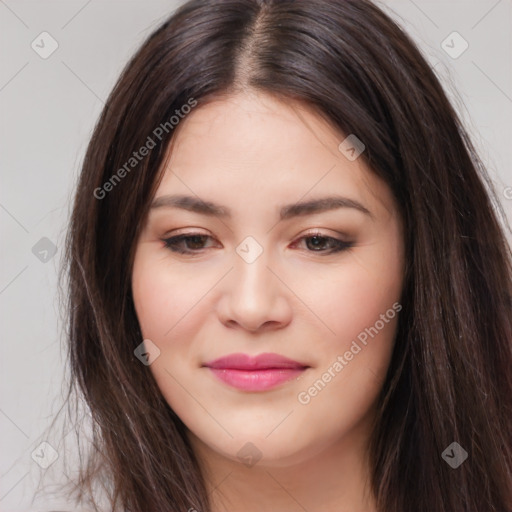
pixel 192 241
pixel 325 244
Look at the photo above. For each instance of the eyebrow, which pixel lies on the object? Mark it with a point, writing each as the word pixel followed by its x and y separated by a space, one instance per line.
pixel 197 205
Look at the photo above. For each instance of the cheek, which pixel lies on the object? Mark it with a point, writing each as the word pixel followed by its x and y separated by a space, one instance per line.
pixel 165 298
pixel 152 300
pixel 361 309
pixel 167 303
pixel 351 297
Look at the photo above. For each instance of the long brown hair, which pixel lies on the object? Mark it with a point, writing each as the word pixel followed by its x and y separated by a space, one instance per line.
pixel 450 377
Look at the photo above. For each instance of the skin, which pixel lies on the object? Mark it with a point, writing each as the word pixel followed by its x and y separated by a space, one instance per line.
pixel 253 153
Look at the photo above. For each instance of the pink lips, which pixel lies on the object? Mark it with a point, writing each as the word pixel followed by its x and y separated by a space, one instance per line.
pixel 259 373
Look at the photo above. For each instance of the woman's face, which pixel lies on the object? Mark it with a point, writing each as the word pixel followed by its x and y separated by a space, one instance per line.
pixel 274 343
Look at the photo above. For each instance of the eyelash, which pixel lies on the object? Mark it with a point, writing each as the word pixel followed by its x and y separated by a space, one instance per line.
pixel 172 243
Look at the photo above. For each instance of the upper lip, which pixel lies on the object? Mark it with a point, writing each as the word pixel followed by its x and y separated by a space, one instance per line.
pixel 246 362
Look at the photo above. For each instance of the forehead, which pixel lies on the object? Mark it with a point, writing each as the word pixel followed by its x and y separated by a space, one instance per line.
pixel 271 149
pixel 252 127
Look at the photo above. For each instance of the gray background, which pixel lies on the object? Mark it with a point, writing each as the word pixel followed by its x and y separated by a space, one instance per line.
pixel 48 109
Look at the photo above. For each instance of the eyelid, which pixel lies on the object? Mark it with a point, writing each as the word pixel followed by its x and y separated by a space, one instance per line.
pixel 197 231
pixel 322 233
pixel 185 231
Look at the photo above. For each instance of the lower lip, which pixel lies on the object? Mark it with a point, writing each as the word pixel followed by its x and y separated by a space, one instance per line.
pixel 256 380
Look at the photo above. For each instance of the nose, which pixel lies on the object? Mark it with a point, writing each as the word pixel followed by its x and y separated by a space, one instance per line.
pixel 255 297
